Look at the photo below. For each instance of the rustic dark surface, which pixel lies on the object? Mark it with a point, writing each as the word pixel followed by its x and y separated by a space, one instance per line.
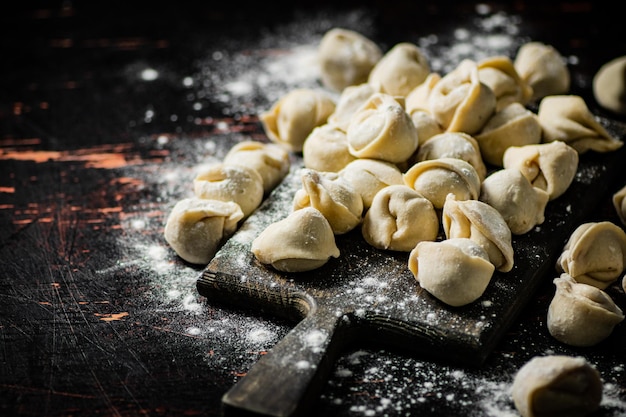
pixel 97 315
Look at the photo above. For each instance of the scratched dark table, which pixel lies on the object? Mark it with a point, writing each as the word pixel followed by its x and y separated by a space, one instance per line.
pixel 106 111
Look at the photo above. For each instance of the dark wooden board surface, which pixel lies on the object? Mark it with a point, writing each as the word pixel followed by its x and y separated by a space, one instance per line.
pixel 370 294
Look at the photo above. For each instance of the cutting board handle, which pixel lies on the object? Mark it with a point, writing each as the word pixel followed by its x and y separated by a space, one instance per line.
pixel 288 379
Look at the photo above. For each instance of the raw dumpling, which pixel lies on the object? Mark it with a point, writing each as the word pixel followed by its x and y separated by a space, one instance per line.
pixel 368 176
pixel 619 202
pixel 399 218
pixel 436 178
pixel 400 70
pixel 484 225
pixel 594 254
pixel 302 241
pixel 381 129
pixel 346 58
pixel 418 98
pixel 333 196
pixel 326 149
pixel 609 85
pixel 349 101
pixel 455 271
pixel 550 166
pixel 271 161
pixel 557 386
pixel 543 68
pixel 581 314
pixel 460 102
pixel 196 227
pixel 567 118
pixel 513 125
pixel 236 183
pixel 294 116
pixel 499 74
pixel 453 145
pixel 521 205
pixel 425 125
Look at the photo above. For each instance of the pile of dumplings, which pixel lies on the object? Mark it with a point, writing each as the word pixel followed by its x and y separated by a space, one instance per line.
pixel 404 153
pixel 224 194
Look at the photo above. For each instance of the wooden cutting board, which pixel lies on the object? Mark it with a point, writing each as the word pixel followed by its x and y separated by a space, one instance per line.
pixel 369 295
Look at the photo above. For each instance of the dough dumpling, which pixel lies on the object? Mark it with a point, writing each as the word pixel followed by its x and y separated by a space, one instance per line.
pixel 521 205
pixel 550 166
pixel 400 70
pixel 453 145
pixel 557 386
pixel 619 202
pixel 381 129
pixel 484 225
pixel 346 58
pixel 225 182
pixel 609 85
pixel 455 271
pixel 294 116
pixel 368 176
pixel 419 97
pixel 460 102
pixel 543 68
pixel 594 254
pixel 350 100
pixel 326 149
pixel 303 241
pixel 333 196
pixel 399 218
pixel 436 178
pixel 271 161
pixel 513 125
pixel 499 74
pixel 197 227
pixel 581 314
pixel 568 119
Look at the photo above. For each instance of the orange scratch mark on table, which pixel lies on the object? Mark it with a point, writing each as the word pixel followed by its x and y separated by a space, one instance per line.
pixel 112 316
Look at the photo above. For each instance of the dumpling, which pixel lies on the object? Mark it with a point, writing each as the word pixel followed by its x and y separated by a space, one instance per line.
pixel 619 202
pixel 557 385
pixel 550 166
pixel 368 176
pixel 453 145
pixel 436 178
pixel 484 225
pixel 326 149
pixel 521 205
pixel 594 254
pixel 418 98
pixel 460 102
pixel 333 196
pixel 197 227
pixel 543 68
pixel 346 58
pixel 609 85
pixel 237 183
pixel 381 129
pixel 567 118
pixel 303 241
pixel 416 105
pixel 455 271
pixel 349 101
pixel 499 74
pixel 400 70
pixel 398 219
pixel 581 314
pixel 513 125
pixel 294 116
pixel 271 161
